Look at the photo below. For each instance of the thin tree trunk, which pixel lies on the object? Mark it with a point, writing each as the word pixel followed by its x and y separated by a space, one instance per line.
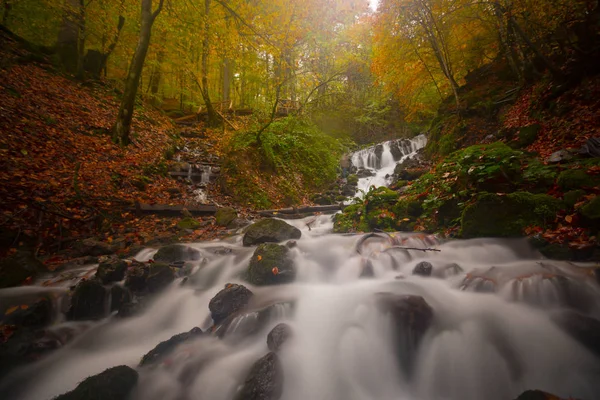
pixel 213 118
pixel 6 12
pixel 122 126
pixel 81 42
pixel 68 36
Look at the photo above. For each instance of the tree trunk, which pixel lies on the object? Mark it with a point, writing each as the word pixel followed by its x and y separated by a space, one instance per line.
pixel 6 12
pixel 213 118
pixel 227 78
pixel 68 36
pixel 122 126
pixel 81 42
pixel 156 76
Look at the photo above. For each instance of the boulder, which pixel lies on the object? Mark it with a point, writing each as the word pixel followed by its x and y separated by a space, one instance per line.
pixel 91 247
pixel 119 296
pixel 88 301
pixel 536 395
pixel 270 265
pixel 225 216
pixel 278 336
pixel 14 270
pixel 112 269
pixel 189 223
pixel 559 156
pixel 270 230
pixel 165 348
pixel 228 301
pixel 25 346
pixel 113 384
pixel 36 315
pixel 584 329
pixel 149 278
pixel 423 268
pixel 264 381
pixel 176 252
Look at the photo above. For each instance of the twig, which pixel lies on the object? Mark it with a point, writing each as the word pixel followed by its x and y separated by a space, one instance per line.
pixel 415 248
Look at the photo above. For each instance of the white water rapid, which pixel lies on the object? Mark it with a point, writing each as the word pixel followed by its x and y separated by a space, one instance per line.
pixel 491 337
pixel 379 161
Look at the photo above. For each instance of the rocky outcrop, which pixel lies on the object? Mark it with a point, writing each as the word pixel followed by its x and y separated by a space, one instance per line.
pixel 112 269
pixel 149 278
pixel 225 216
pixel 270 231
pixel 271 265
pixel 88 301
pixel 231 299
pixel 176 252
pixel 163 349
pixel 264 381
pixel 113 384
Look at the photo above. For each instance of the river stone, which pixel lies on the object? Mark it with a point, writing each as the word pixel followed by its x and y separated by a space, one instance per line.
pixel 228 301
pixel 176 252
pixel 270 265
pixel 584 329
pixel 113 384
pixel 111 270
pixel 246 323
pixel 264 381
pixel 278 336
pixel 152 277
pixel 225 216
pixel 163 349
pixel 270 230
pixel 119 296
pixel 423 268
pixel 14 270
pixel 36 315
pixel 87 302
pixel 536 395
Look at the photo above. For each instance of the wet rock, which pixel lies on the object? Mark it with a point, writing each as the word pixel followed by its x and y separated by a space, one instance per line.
pixel 14 270
pixel 23 347
pixel 36 315
pixel 559 156
pixel 378 155
pixel 423 268
pixel 149 278
pixel 238 223
pixel 88 300
pixel 130 309
pixel 111 270
pixel 189 223
pixel 91 247
pixel 270 230
pixel 249 322
pixel 411 316
pixel 225 216
pixel 176 252
pixel 264 381
pixel 278 336
pixel 118 297
pixel 364 173
pixel 163 349
pixel 113 384
pixel 536 395
pixel 584 329
pixel 270 265
pixel 228 301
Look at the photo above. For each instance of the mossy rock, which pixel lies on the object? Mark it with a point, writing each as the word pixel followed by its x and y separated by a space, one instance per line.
pixel 112 269
pixel 345 221
pixel 528 134
pixel 113 384
pixel 225 216
pixel 574 179
pixel 14 270
pixel 270 265
pixel 152 278
pixel 492 215
pixel 176 252
pixel 270 231
pixel 591 210
pixel 165 348
pixel 88 301
pixel 188 223
pixel 572 197
pixel 382 196
pixel 352 180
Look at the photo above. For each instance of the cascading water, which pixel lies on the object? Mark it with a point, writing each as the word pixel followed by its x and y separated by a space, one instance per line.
pixel 491 335
pixel 379 161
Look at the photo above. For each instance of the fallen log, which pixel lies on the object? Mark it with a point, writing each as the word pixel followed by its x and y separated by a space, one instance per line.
pixel 307 209
pixel 176 210
pixel 185 118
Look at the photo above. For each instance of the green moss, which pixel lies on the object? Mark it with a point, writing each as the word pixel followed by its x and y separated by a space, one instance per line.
pixel 572 197
pixel 115 383
pixel 270 264
pixel 507 216
pixel 574 179
pixel 447 144
pixel 592 209
pixel 188 223
pixel 225 216
pixel 352 179
pixel 528 134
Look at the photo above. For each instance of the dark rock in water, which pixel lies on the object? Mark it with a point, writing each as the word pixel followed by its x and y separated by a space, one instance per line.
pixel 364 173
pixel 25 346
pixel 270 230
pixel 113 384
pixel 176 252
pixel 270 265
pixel 246 323
pixel 228 301
pixel 36 315
pixel 88 301
pixel 264 381
pixel 278 336
pixel 584 329
pixel 537 395
pixel 378 155
pixel 367 270
pixel 153 277
pixel 14 270
pixel 163 349
pixel 111 270
pixel 91 247
pixel 130 309
pixel 225 216
pixel 119 296
pixel 411 316
pixel 423 268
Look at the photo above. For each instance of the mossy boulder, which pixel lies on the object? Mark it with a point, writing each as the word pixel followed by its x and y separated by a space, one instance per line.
pixel 270 231
pixel 528 134
pixel 352 180
pixel 165 348
pixel 112 269
pixel 228 301
pixel 270 265
pixel 176 252
pixel 88 301
pixel 149 278
pixel 591 213
pixel 113 384
pixel 225 216
pixel 189 223
pixel 14 270
pixel 348 220
pixel 492 215
pixel 572 179
pixel 572 197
